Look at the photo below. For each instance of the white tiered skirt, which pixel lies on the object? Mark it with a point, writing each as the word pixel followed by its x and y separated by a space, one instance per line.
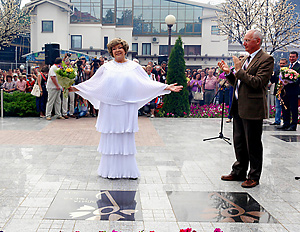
pixel 117 125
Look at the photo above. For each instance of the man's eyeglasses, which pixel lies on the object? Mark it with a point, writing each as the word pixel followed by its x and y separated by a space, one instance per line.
pixel 248 40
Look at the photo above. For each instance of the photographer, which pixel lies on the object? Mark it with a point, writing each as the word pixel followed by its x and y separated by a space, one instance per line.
pixel 94 66
pixel 83 70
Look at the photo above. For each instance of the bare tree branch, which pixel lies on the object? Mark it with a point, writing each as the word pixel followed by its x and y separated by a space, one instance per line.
pixel 14 21
pixel 277 21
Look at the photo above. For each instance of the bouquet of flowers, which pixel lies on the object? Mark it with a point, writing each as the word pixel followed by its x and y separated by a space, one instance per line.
pixel 66 78
pixel 286 76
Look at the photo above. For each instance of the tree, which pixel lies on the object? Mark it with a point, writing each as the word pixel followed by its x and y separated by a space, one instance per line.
pixel 126 18
pixel 110 16
pixel 277 20
pixel 177 103
pixel 14 21
pixel 297 6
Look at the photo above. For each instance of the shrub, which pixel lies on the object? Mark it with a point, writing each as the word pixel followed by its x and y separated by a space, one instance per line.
pixel 177 103
pixel 19 104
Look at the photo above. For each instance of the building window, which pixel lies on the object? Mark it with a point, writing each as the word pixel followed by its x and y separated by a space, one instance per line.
pixel 146 49
pixel 124 12
pixel 108 12
pixel 149 17
pixel 215 30
pixel 163 49
pixel 85 11
pixel 135 47
pixel 192 50
pixel 198 27
pixel 105 42
pixel 76 41
pixel 47 26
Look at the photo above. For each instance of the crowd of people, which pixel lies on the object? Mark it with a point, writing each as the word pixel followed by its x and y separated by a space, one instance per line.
pixel 17 80
pixel 207 81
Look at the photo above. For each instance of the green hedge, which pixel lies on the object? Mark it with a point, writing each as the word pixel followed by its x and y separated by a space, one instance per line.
pixel 19 104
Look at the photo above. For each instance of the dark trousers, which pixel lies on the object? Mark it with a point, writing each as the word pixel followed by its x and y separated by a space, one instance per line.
pixel 291 103
pixel 42 101
pixel 248 147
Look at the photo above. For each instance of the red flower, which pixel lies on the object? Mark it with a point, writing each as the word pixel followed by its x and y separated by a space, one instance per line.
pixel 218 230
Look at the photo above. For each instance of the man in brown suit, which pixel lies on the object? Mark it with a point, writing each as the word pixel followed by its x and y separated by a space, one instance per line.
pixel 249 108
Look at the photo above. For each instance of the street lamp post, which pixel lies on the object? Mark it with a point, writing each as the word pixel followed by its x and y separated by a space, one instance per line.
pixel 170 21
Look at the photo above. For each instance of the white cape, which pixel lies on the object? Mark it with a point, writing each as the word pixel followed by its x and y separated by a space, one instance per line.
pixel 120 83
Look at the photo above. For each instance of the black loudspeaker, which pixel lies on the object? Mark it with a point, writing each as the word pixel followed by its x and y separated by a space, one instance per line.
pixel 52 51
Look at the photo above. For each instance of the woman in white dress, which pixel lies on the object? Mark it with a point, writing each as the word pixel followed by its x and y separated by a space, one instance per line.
pixel 118 89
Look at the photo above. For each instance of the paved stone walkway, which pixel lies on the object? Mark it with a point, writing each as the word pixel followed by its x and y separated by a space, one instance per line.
pixel 40 158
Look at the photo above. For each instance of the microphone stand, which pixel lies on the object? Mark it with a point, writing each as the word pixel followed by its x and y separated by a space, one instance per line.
pixel 221 136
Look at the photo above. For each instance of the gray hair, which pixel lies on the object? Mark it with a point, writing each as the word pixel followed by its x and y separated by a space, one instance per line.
pixel 256 35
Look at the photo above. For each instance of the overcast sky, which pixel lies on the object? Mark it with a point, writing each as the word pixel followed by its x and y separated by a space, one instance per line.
pixel 213 2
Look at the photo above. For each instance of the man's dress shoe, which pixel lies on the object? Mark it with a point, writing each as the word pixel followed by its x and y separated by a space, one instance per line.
pixel 231 177
pixel 250 183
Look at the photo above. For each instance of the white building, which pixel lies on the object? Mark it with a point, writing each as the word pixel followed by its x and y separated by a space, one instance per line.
pixel 88 25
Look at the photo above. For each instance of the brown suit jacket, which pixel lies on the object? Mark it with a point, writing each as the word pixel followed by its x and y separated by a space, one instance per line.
pixel 252 99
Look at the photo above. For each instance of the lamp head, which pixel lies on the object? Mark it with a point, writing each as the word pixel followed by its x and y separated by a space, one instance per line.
pixel 170 20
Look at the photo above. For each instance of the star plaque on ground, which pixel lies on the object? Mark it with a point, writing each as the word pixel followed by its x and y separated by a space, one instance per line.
pixel 96 205
pixel 218 207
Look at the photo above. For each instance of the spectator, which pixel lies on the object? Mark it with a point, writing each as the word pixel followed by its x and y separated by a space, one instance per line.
pixel 54 91
pixel 21 84
pixel 81 109
pixel 274 80
pixel 196 85
pixel 150 62
pixel 9 86
pixel 95 66
pixel 15 78
pixel 206 71
pixel 151 104
pixel 42 100
pixel 83 70
pixel 18 73
pixel 210 86
pixel 70 99
pixel 203 75
pixel 164 67
pixel 29 83
pixel 161 74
